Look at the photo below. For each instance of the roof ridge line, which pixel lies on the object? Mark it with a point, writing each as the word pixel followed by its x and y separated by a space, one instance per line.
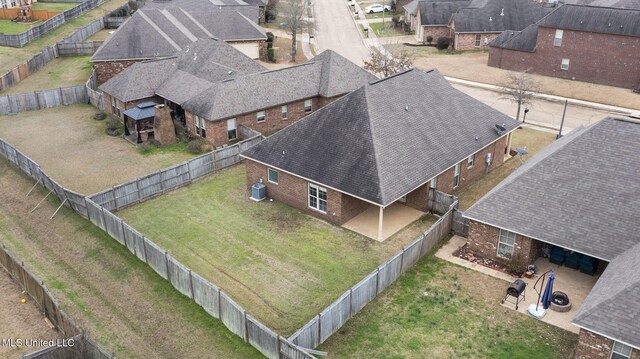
pixel 159 30
pixel 373 144
pixel 198 24
pixel 374 82
pixel 180 26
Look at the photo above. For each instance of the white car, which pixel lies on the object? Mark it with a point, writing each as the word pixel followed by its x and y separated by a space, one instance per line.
pixel 371 9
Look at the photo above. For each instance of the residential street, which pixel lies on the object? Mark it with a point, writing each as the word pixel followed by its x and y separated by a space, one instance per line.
pixel 336 30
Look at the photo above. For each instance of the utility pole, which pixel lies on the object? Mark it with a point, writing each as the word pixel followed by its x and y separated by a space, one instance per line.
pixel 564 112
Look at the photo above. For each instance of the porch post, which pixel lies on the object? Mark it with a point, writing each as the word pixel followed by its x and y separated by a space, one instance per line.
pixel 509 144
pixel 380 223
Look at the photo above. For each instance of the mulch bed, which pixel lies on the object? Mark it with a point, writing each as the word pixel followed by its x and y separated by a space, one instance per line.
pixel 465 253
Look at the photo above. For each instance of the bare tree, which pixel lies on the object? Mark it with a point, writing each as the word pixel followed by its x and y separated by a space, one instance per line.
pixel 388 64
pixel 294 17
pixel 519 88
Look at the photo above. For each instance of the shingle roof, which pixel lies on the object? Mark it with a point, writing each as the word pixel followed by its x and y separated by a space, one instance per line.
pixel 327 75
pixel 179 78
pixel 160 33
pixel 594 19
pixel 485 15
pixel 524 40
pixel 386 138
pixel 613 305
pixel 439 12
pixel 142 111
pixel 249 10
pixel 629 4
pixel 579 193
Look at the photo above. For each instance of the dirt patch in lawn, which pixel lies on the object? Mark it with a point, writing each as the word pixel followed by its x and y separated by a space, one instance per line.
pixel 473 66
pixel 73 148
pixel 20 320
pixel 61 72
pixel 282 47
pixel 119 300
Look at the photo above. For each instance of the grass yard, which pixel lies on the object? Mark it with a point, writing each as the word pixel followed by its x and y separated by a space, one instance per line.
pixel 440 310
pixel 10 27
pixel 19 320
pixel 119 300
pixel 100 35
pixel 61 72
pixel 11 57
pixel 73 148
pixel 282 47
pixel 389 29
pixel 282 265
pixel 533 139
pixel 53 6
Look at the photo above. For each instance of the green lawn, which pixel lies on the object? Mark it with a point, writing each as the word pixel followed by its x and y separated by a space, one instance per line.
pixel 440 310
pixel 387 15
pixel 282 265
pixel 11 57
pixel 61 72
pixel 54 6
pixel 389 30
pixel 533 139
pixel 10 27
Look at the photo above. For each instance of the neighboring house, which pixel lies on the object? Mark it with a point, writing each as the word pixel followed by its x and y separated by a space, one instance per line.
pixel 475 26
pixel 158 33
pixel 262 6
pixel 8 4
pixel 391 140
pixel 431 17
pixel 580 194
pixel 585 43
pixel 215 89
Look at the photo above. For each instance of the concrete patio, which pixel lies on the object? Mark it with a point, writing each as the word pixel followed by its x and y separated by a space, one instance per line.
pixel 575 284
pixel 396 217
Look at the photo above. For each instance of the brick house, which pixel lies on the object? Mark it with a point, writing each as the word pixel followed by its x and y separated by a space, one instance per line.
pixel 155 32
pixel 431 17
pixel 476 25
pixel 578 195
pixel 391 140
pixel 585 43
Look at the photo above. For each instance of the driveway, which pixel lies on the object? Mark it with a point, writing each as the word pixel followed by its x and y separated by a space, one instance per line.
pixel 335 30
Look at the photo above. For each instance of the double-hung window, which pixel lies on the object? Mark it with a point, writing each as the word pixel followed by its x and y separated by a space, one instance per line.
pixel 565 64
pixel 200 129
pixel 272 175
pixel 470 160
pixel 232 133
pixel 318 198
pixel 13 3
pixel 478 40
pixel 284 111
pixel 557 40
pixel 261 116
pixel 506 243
pixel 4 4
pixel 620 351
pixel 456 175
pixel 308 106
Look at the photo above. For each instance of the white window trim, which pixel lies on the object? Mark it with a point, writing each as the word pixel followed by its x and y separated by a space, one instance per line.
pixel 624 346
pixel 269 170
pixel 557 40
pixel 318 189
pixel 513 246
pixel 478 40
pixel 456 175
pixel 235 128
pixel 284 112
pixel 310 106
pixel 473 161
pixel 562 65
pixel 199 126
pixel 264 116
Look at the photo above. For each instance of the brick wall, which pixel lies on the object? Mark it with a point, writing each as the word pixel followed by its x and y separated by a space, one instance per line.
pixel 467 41
pixel 483 240
pixel 419 198
pixel 293 191
pixel 108 69
pixel 435 31
pixel 591 346
pixel 593 57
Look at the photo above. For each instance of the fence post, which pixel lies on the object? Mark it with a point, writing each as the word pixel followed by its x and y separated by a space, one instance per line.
pixel 193 296
pixel 37 100
pixel 166 259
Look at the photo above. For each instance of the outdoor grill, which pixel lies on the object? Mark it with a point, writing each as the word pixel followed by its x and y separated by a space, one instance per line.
pixel 516 290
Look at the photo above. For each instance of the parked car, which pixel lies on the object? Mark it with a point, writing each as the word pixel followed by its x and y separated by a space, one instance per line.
pixel 371 9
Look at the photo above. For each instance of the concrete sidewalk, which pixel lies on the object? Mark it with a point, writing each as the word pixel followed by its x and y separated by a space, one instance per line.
pixel 303 38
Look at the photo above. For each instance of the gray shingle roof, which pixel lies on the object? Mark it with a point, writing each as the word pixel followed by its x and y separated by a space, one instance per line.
pixel 613 305
pixel 142 111
pixel 187 74
pixel 594 19
pixel 386 138
pixel 484 15
pixel 580 193
pixel 327 75
pixel 439 12
pixel 160 33
pixel 524 40
pixel 249 10
pixel 629 4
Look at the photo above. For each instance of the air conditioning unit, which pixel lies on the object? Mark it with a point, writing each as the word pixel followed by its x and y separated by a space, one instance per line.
pixel 258 192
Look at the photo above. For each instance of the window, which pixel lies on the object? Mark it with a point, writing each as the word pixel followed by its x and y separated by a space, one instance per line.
pixel 308 106
pixel 470 160
pixel 13 3
pixel 557 41
pixel 478 40
pixel 272 175
pixel 285 111
pixel 456 175
pixel 232 134
pixel 620 351
pixel 506 243
pixel 4 4
pixel 318 198
pixel 261 116
pixel 200 129
pixel 565 64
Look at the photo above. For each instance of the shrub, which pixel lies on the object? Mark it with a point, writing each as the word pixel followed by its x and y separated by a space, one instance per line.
pixel 517 265
pixel 395 19
pixel 114 127
pixel 429 39
pixel 269 45
pixel 270 36
pixel 442 43
pixel 271 54
pixel 196 146
pixel 271 15
pixel 100 116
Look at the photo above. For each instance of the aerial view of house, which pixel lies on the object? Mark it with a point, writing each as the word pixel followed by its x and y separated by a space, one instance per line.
pixel 297 179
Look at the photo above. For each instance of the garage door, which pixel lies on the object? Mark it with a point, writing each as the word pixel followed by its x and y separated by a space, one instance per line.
pixel 251 49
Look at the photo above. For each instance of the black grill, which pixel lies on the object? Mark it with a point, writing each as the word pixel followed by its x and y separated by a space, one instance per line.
pixel 516 290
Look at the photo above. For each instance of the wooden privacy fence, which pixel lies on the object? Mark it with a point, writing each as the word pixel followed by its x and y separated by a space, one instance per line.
pixel 95 97
pixel 83 347
pixel 439 202
pixel 56 97
pixel 325 324
pixel 23 70
pixel 460 224
pixel 171 178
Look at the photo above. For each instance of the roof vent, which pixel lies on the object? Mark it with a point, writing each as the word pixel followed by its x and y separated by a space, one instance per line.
pixel 490 18
pixel 230 72
pixel 609 24
pixel 500 129
pixel 502 13
pixel 406 108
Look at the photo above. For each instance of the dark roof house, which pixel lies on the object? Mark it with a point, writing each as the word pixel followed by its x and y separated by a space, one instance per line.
pixel 431 17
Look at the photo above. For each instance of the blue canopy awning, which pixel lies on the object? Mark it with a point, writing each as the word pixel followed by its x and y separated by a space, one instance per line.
pixel 142 111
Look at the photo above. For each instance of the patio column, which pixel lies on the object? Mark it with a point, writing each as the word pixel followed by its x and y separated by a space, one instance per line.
pixel 509 144
pixel 380 216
